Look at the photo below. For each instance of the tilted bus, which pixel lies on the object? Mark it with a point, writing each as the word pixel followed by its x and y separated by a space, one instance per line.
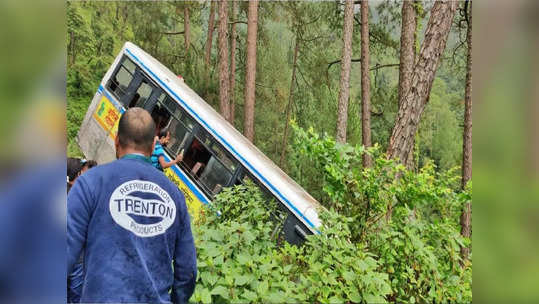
pixel 216 155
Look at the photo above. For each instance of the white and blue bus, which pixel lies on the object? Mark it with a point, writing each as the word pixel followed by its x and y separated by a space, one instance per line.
pixel 216 155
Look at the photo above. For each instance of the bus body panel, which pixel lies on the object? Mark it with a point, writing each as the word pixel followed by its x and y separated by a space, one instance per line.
pixel 98 131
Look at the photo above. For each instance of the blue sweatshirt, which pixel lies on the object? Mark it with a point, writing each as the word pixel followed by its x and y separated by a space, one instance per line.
pixel 134 228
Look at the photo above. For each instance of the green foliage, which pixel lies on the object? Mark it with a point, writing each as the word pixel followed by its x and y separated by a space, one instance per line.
pixel 239 262
pixel 409 220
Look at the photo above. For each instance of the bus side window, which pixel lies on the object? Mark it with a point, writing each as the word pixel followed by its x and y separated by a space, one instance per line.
pixel 120 81
pixel 143 92
pixel 179 134
pixel 161 117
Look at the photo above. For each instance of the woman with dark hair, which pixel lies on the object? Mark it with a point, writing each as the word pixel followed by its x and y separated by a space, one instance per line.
pixel 74 168
pixel 88 164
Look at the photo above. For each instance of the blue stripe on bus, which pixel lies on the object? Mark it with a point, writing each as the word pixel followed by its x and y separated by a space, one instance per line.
pixel 186 181
pixel 222 139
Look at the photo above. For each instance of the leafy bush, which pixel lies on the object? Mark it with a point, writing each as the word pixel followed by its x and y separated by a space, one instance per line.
pixel 410 221
pixel 395 238
pixel 239 261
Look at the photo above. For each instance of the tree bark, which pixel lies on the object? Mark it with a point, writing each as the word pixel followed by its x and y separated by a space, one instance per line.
pixel 186 28
pixel 232 64
pixel 344 91
pixel 415 99
pixel 467 134
pixel 407 56
pixel 72 46
pixel 223 60
pixel 466 228
pixel 290 101
pixel 365 83
pixel 209 39
pixel 467 138
pixel 407 51
pixel 250 74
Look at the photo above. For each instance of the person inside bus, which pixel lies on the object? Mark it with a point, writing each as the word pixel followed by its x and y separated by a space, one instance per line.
pixel 158 154
pixel 196 157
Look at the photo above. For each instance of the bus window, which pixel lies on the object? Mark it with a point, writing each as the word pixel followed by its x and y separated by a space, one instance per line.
pixel 161 117
pixel 196 157
pixel 119 83
pixel 143 92
pixel 223 157
pixel 170 104
pixel 215 176
pixel 179 134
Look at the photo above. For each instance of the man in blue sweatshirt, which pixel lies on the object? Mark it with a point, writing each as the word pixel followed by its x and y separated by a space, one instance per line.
pixel 132 225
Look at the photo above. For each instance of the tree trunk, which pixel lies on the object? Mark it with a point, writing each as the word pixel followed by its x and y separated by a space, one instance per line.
pixel 232 63
pixel 72 46
pixel 467 134
pixel 466 228
pixel 467 138
pixel 250 74
pixel 407 55
pixel 211 26
pixel 407 51
pixel 187 28
pixel 290 101
pixel 223 60
pixel 365 83
pixel 415 99
pixel 344 91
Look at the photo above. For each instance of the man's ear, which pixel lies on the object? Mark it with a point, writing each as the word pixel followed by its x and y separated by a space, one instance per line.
pixel 117 146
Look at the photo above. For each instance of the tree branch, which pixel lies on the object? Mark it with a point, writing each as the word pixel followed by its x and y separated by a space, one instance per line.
pixel 237 21
pixel 339 61
pixel 173 33
pixel 376 67
pixel 379 66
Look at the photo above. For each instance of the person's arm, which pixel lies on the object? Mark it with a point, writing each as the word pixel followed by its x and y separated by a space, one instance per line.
pixel 165 164
pixel 185 265
pixel 79 203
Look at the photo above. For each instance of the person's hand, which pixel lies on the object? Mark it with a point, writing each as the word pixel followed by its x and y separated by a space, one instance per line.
pixel 179 158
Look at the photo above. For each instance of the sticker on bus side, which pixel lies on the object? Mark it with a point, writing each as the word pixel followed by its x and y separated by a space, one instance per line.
pixel 108 116
pixel 194 205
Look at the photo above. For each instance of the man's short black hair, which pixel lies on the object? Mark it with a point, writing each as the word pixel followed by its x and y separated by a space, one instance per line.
pixel 136 129
pixel 163 132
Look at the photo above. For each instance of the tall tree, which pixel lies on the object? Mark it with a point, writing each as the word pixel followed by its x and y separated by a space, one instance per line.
pixel 250 73
pixel 209 39
pixel 290 101
pixel 344 91
pixel 416 98
pixel 186 28
pixel 224 105
pixel 407 50
pixel 407 55
pixel 232 63
pixel 467 133
pixel 365 83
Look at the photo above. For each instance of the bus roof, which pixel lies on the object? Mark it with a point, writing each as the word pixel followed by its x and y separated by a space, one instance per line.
pixel 257 163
